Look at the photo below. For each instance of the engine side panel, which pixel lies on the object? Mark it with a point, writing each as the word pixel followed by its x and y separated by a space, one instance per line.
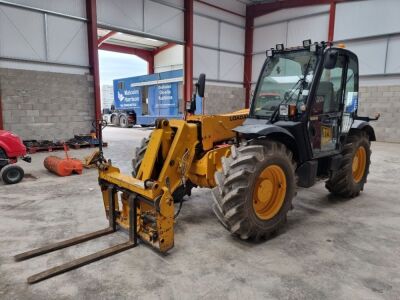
pixel 218 128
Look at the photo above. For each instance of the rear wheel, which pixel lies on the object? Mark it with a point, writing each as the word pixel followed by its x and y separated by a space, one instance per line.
pixel 123 121
pixel 349 180
pixel 179 193
pixel 255 190
pixel 12 174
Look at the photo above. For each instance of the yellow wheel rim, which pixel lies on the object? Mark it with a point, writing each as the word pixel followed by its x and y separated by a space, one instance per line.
pixel 269 192
pixel 359 163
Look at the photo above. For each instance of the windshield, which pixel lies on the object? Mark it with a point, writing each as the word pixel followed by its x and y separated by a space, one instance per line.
pixel 286 78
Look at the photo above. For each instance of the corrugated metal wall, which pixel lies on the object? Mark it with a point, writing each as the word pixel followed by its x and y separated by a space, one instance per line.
pixel 369 28
pixel 160 19
pixel 290 27
pixel 40 34
pixel 372 30
pixel 44 32
pixel 219 43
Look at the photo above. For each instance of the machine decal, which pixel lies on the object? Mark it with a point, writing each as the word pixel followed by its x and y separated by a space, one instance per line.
pixel 163 99
pixel 238 117
pixel 318 106
pixel 128 98
pixel 351 102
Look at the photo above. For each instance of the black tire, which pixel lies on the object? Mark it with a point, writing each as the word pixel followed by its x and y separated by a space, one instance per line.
pixel 138 156
pixel 179 193
pixel 342 182
pixel 123 121
pixel 12 174
pixel 233 195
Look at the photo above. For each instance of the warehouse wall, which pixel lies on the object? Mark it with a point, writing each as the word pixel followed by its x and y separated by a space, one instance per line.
pixel 219 53
pixel 290 27
pixel 43 61
pixel 370 28
pixel 169 59
pixel 384 99
pixel 45 105
pixel 157 18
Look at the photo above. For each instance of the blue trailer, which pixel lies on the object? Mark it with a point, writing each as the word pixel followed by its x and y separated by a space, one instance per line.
pixel 143 99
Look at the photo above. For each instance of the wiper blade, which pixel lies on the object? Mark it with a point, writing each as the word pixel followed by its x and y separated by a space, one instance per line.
pixel 294 88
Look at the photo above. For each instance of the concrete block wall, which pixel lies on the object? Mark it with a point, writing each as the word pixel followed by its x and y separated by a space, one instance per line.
pixel 46 105
pixel 223 99
pixel 386 100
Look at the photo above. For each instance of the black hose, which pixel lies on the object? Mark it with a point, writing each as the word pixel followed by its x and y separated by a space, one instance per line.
pixel 179 209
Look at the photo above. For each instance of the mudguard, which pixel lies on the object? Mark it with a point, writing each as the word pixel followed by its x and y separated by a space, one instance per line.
pixel 364 125
pixel 254 128
pixel 257 129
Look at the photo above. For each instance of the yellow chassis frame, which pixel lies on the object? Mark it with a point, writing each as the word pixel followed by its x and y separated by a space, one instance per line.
pixel 170 160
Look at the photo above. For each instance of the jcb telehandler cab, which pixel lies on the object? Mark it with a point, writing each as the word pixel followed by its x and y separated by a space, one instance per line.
pixel 302 126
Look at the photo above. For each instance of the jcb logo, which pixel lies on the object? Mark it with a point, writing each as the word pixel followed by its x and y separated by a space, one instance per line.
pixel 238 117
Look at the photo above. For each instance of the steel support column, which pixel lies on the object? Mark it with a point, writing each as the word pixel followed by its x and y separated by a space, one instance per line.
pixel 91 16
pixel 332 13
pixel 188 55
pixel 248 58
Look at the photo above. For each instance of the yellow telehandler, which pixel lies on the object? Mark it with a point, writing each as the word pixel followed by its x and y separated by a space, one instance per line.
pixel 302 124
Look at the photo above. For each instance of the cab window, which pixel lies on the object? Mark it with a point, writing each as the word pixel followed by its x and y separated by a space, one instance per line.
pixel 329 95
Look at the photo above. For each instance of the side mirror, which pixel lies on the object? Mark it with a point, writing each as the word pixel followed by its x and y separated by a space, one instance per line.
pixel 331 59
pixel 201 85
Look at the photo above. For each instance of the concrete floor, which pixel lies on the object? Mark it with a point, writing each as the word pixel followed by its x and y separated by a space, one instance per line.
pixel 331 249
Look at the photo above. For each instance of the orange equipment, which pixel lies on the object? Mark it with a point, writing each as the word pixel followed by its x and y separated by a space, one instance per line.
pixel 63 166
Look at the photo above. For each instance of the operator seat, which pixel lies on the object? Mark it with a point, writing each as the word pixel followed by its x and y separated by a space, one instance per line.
pixel 325 98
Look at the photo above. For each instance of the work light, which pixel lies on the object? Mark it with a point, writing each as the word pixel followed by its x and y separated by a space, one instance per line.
pixel 306 43
pixel 313 47
pixel 279 47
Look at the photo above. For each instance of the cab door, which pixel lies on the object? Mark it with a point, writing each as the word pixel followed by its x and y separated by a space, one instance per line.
pixel 326 106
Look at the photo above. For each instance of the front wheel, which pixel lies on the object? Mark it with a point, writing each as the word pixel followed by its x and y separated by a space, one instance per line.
pixel 114 120
pixel 349 180
pixel 12 174
pixel 255 190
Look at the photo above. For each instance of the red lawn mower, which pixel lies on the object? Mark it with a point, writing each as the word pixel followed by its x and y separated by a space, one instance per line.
pixel 11 148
